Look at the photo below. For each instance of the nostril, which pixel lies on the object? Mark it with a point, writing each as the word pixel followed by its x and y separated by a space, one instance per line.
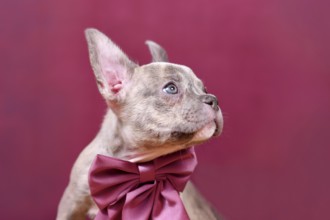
pixel 211 100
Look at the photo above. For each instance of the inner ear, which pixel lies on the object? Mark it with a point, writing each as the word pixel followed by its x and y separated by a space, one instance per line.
pixel 112 68
pixel 157 52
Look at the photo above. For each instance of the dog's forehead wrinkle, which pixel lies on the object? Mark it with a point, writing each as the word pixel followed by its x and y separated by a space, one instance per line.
pixel 171 69
pixel 173 77
pixel 154 69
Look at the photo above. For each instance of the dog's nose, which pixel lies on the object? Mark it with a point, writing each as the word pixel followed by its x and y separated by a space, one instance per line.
pixel 211 100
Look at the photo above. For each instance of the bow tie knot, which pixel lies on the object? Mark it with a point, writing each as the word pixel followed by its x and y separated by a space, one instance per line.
pixel 150 190
pixel 147 172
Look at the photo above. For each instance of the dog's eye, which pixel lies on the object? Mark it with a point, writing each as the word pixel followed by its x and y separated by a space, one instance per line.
pixel 170 89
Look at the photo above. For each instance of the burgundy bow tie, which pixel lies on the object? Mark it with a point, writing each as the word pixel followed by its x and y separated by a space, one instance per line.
pixel 125 190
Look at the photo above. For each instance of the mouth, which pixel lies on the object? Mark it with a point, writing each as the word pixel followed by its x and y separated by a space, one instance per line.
pixel 206 132
pixel 218 121
pixel 210 129
pixel 218 129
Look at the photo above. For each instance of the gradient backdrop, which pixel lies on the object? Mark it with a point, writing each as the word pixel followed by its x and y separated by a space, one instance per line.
pixel 267 61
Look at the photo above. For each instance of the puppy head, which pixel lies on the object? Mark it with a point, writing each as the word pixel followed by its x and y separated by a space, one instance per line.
pixel 162 107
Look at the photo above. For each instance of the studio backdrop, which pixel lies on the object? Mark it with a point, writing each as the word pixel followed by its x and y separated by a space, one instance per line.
pixel 267 62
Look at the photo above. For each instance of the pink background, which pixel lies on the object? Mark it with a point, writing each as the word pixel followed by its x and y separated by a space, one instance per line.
pixel 267 61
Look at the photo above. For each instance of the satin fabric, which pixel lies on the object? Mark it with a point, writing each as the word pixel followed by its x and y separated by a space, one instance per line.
pixel 125 190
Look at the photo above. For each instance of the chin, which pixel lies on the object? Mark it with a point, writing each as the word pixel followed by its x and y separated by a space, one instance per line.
pixel 205 132
pixel 211 129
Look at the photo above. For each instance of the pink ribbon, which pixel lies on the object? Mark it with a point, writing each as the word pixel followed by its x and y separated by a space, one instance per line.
pixel 125 190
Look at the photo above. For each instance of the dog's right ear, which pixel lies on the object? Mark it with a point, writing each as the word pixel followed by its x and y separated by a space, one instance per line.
pixel 157 52
pixel 112 68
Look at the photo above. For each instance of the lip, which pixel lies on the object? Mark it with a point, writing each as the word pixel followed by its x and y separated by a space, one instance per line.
pixel 217 129
pixel 218 123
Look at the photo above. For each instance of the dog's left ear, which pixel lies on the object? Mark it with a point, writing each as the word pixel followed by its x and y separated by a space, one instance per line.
pixel 112 68
pixel 157 52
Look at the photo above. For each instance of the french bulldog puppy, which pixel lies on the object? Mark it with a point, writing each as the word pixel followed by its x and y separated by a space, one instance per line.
pixel 153 110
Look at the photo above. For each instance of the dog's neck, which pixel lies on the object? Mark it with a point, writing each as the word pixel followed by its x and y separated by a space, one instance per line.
pixel 109 138
pixel 115 142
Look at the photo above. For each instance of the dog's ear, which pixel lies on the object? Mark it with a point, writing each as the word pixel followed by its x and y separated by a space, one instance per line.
pixel 112 68
pixel 157 52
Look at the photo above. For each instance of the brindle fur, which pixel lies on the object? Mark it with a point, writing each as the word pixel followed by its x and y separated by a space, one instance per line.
pixel 142 121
